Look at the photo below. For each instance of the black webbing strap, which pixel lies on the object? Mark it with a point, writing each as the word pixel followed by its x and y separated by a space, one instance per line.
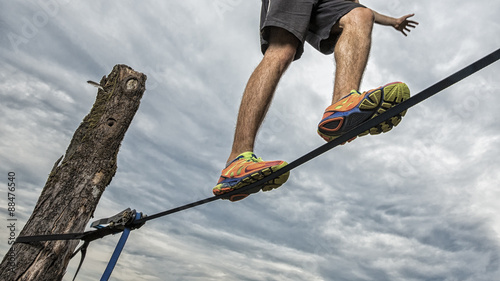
pixel 115 224
pixel 112 225
pixel 83 251
pixel 427 93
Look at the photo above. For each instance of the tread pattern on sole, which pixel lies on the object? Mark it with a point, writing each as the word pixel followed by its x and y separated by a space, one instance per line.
pixel 384 98
pixel 270 185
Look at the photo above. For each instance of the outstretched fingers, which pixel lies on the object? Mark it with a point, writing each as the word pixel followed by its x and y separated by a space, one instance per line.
pixel 405 25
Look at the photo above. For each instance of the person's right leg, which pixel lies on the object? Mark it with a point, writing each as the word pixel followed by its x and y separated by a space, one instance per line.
pixel 260 89
pixel 243 166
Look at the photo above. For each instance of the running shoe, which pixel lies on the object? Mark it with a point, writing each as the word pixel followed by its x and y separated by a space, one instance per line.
pixel 245 170
pixel 356 108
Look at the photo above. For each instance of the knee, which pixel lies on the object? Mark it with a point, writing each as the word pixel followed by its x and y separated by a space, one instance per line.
pixel 282 46
pixel 359 16
pixel 282 54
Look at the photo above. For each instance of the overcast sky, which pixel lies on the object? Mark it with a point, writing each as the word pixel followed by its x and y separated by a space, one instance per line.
pixel 418 203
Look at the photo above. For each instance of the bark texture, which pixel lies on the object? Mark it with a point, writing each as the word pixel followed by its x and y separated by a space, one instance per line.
pixel 76 183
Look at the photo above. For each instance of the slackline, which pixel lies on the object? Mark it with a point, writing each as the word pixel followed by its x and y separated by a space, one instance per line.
pixel 129 220
pixel 423 95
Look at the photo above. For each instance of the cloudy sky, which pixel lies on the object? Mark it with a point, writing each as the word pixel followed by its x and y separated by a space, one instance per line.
pixel 418 203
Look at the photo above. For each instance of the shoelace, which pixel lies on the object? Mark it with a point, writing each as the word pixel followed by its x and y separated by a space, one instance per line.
pixel 254 159
pixel 257 160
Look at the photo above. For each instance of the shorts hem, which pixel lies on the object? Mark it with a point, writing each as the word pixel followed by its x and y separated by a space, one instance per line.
pixel 325 42
pixel 264 44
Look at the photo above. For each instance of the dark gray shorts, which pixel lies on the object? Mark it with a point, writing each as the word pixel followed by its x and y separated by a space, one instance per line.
pixel 308 20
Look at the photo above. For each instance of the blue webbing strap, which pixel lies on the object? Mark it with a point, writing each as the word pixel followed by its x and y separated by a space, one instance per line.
pixel 118 250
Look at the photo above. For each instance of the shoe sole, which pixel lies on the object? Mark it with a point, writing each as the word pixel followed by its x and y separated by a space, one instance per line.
pixel 380 99
pixel 255 177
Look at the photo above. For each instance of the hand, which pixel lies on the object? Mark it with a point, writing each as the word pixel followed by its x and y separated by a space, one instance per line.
pixel 403 24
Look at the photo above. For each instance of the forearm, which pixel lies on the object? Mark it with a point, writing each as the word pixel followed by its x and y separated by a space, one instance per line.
pixel 402 24
pixel 384 20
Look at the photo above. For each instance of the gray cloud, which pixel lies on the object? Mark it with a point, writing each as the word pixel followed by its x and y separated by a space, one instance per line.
pixel 419 203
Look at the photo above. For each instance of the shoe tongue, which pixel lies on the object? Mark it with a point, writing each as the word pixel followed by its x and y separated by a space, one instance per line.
pixel 246 155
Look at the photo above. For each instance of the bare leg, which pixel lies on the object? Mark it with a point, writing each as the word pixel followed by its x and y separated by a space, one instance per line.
pixel 260 89
pixel 352 50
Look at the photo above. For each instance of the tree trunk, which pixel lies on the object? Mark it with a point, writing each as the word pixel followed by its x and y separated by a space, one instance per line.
pixel 76 184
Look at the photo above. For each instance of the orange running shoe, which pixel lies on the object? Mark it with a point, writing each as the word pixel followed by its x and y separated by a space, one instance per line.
pixel 245 170
pixel 356 108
